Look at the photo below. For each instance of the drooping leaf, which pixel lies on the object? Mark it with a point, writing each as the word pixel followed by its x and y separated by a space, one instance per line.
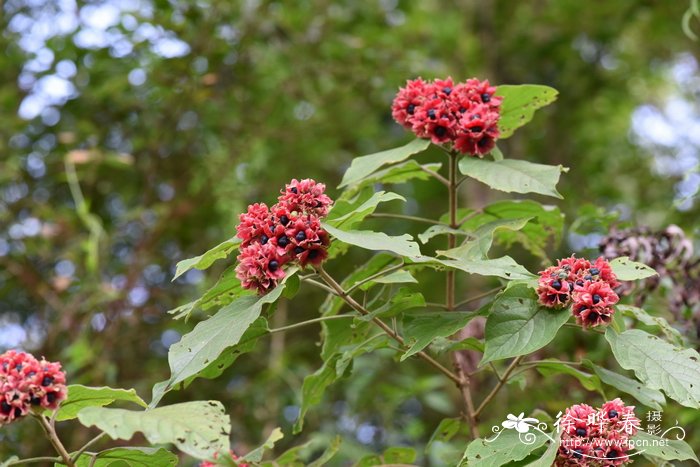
pixel 440 229
pixel 518 325
pixel 478 246
pixel 514 176
pixel 256 454
pixel 421 328
pixel 362 167
pixel 627 270
pixel 658 364
pixel 520 103
pixel 402 245
pixel 507 447
pixel 199 428
pixel 504 267
pixel 649 397
pixel 553 366
pixel 209 338
pixel 203 261
pixel 80 396
pixel 658 322
pixel 668 449
pixel 129 457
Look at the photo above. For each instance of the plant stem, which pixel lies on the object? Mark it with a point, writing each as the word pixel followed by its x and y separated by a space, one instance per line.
pixel 34 460
pixel 311 321
pixel 478 297
pixel 85 447
pixel 386 328
pixel 406 217
pixel 374 276
pixel 53 438
pixel 463 382
pixel 502 381
pixel 319 285
pixel 436 176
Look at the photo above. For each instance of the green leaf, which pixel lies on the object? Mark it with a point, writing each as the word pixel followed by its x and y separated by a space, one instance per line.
pixel 403 300
pixel 420 328
pixel 199 428
pixel 514 176
pixel 256 454
pixel 664 448
pixel 481 239
pixel 445 431
pixel 649 397
pixel 402 245
pixel 399 455
pixel 396 277
pixel 518 325
pixel 544 228
pixel 552 366
pixel 627 270
pixel 504 267
pixel 209 338
pixel 9 461
pixel 130 457
pixel 507 447
pixel 658 364
pixel 345 216
pixel 362 167
pixel 328 453
pixel 440 229
pixel 547 459
pixel 520 103
pixel 203 261
pixel 80 396
pixel 399 173
pixel 314 387
pixel 658 322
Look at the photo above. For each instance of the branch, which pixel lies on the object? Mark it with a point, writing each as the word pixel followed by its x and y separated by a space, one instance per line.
pixel 503 380
pixel 311 321
pixel 374 276
pixel 435 175
pixel 53 438
pixel 85 447
pixel 406 217
pixel 390 332
pixel 478 297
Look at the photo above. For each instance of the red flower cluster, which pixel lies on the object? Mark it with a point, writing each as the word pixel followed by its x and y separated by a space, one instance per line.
pixel 596 437
pixel 25 382
pixel 587 287
pixel 211 464
pixel 288 231
pixel 464 114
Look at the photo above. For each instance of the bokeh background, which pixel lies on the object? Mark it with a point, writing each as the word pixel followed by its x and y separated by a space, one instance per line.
pixel 132 133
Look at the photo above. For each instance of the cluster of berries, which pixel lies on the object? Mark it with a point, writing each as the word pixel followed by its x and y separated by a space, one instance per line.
pixel 596 437
pixel 587 287
pixel 288 231
pixel 26 382
pixel 216 456
pixel 464 114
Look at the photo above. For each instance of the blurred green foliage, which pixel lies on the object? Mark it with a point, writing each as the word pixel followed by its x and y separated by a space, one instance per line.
pixel 170 117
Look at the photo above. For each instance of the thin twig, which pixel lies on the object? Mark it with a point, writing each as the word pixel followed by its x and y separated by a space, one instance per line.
pixel 406 217
pixel 435 175
pixel 53 438
pixel 503 380
pixel 374 276
pixel 85 447
pixel 478 297
pixel 310 321
pixel 386 328
pixel 320 285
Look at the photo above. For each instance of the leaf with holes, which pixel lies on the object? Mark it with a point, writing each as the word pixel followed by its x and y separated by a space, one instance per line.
pixel 658 364
pixel 199 428
pixel 520 103
pixel 627 270
pixel 668 449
